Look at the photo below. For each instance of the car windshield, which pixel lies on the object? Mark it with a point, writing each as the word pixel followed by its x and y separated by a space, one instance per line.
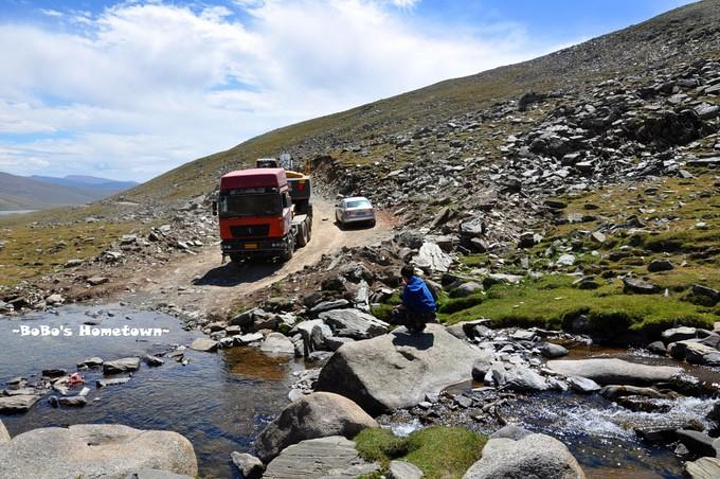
pixel 358 204
pixel 250 205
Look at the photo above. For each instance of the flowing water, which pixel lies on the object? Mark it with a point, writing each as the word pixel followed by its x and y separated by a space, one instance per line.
pixel 218 401
pixel 221 401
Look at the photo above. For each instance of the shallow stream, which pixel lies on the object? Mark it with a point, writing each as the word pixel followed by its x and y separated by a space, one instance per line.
pixel 218 401
pixel 221 401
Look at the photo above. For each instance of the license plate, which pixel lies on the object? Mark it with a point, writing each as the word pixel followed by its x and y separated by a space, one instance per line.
pixel 251 246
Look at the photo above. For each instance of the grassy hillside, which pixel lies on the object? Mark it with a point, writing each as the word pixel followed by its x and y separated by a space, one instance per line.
pixel 21 193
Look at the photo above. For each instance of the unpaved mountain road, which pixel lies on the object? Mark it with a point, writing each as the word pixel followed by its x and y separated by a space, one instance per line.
pixel 202 283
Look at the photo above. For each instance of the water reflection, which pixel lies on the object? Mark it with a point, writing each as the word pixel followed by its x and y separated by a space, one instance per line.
pixel 218 401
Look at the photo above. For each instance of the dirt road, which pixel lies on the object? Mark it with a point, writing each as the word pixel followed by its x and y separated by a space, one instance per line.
pixel 201 282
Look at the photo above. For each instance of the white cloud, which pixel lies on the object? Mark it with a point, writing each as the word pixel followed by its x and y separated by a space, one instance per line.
pixel 51 13
pixel 145 86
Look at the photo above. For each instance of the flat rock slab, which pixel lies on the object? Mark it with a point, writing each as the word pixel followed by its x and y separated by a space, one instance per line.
pixel 121 365
pixel 94 450
pixel 353 323
pixel 155 474
pixel 277 343
pixel 18 403
pixel 614 371
pixel 314 458
pixel 398 370
pixel 204 345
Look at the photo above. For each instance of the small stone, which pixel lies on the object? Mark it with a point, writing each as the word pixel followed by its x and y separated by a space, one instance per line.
pixel 583 385
pixel 552 351
pixel 657 265
pixel 73 401
pixel 403 470
pixel 566 260
pixel 250 467
pixel 679 334
pixel 91 363
pixel 97 280
pixel 555 204
pixel 639 286
pixel 657 347
pixel 153 361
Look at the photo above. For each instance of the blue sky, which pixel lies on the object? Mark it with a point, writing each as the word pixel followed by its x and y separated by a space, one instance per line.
pixel 132 89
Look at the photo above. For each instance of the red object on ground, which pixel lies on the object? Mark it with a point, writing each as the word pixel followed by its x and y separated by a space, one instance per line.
pixel 75 380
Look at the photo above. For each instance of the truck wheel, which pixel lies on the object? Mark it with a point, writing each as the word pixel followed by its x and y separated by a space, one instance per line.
pixel 236 257
pixel 288 253
pixel 302 236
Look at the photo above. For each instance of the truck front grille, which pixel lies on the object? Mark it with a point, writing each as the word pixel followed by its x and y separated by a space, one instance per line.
pixel 250 231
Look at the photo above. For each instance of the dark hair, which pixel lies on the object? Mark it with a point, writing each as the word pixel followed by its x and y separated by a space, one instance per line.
pixel 407 271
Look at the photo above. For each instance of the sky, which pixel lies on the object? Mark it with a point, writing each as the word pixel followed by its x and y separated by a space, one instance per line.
pixel 131 89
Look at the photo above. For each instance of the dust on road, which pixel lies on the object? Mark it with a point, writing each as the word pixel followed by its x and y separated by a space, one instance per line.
pixel 201 282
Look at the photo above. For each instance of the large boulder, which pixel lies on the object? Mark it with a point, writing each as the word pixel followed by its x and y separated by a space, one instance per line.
pixel 353 323
pixel 315 415
pixel 4 434
pixel 399 370
pixel 536 456
pixel 703 468
pixel 316 458
pixel 94 450
pixel 614 371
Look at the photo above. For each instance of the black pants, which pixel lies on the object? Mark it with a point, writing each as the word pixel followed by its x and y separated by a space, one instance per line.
pixel 414 322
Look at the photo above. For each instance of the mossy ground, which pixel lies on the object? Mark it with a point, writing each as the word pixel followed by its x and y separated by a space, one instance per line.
pixel 36 248
pixel 440 452
pixel 666 212
pixel 553 302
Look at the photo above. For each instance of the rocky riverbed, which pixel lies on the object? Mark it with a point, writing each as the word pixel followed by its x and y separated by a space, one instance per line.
pixel 217 401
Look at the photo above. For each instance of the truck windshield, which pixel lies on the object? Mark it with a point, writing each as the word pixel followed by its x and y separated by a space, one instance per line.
pixel 251 205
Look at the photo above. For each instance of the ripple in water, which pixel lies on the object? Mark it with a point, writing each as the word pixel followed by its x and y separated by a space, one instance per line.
pixel 601 435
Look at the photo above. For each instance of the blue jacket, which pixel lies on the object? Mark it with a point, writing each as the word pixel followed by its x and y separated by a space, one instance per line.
pixel 417 298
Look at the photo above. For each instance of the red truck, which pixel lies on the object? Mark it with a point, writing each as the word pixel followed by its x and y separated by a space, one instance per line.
pixel 263 213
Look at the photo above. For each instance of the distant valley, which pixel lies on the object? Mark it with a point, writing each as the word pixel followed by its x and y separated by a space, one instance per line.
pixel 40 192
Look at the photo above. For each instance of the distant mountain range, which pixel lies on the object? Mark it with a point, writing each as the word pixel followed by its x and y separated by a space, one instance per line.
pixel 38 192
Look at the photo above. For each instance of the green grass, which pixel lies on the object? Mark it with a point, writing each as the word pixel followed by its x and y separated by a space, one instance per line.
pixel 452 305
pixel 33 250
pixel 440 452
pixel 474 260
pixel 384 311
pixel 553 302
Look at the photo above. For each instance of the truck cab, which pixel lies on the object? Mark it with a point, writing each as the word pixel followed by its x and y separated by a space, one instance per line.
pixel 258 217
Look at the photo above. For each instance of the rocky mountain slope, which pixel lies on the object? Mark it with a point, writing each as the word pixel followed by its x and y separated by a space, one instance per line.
pixel 511 169
pixel 432 124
